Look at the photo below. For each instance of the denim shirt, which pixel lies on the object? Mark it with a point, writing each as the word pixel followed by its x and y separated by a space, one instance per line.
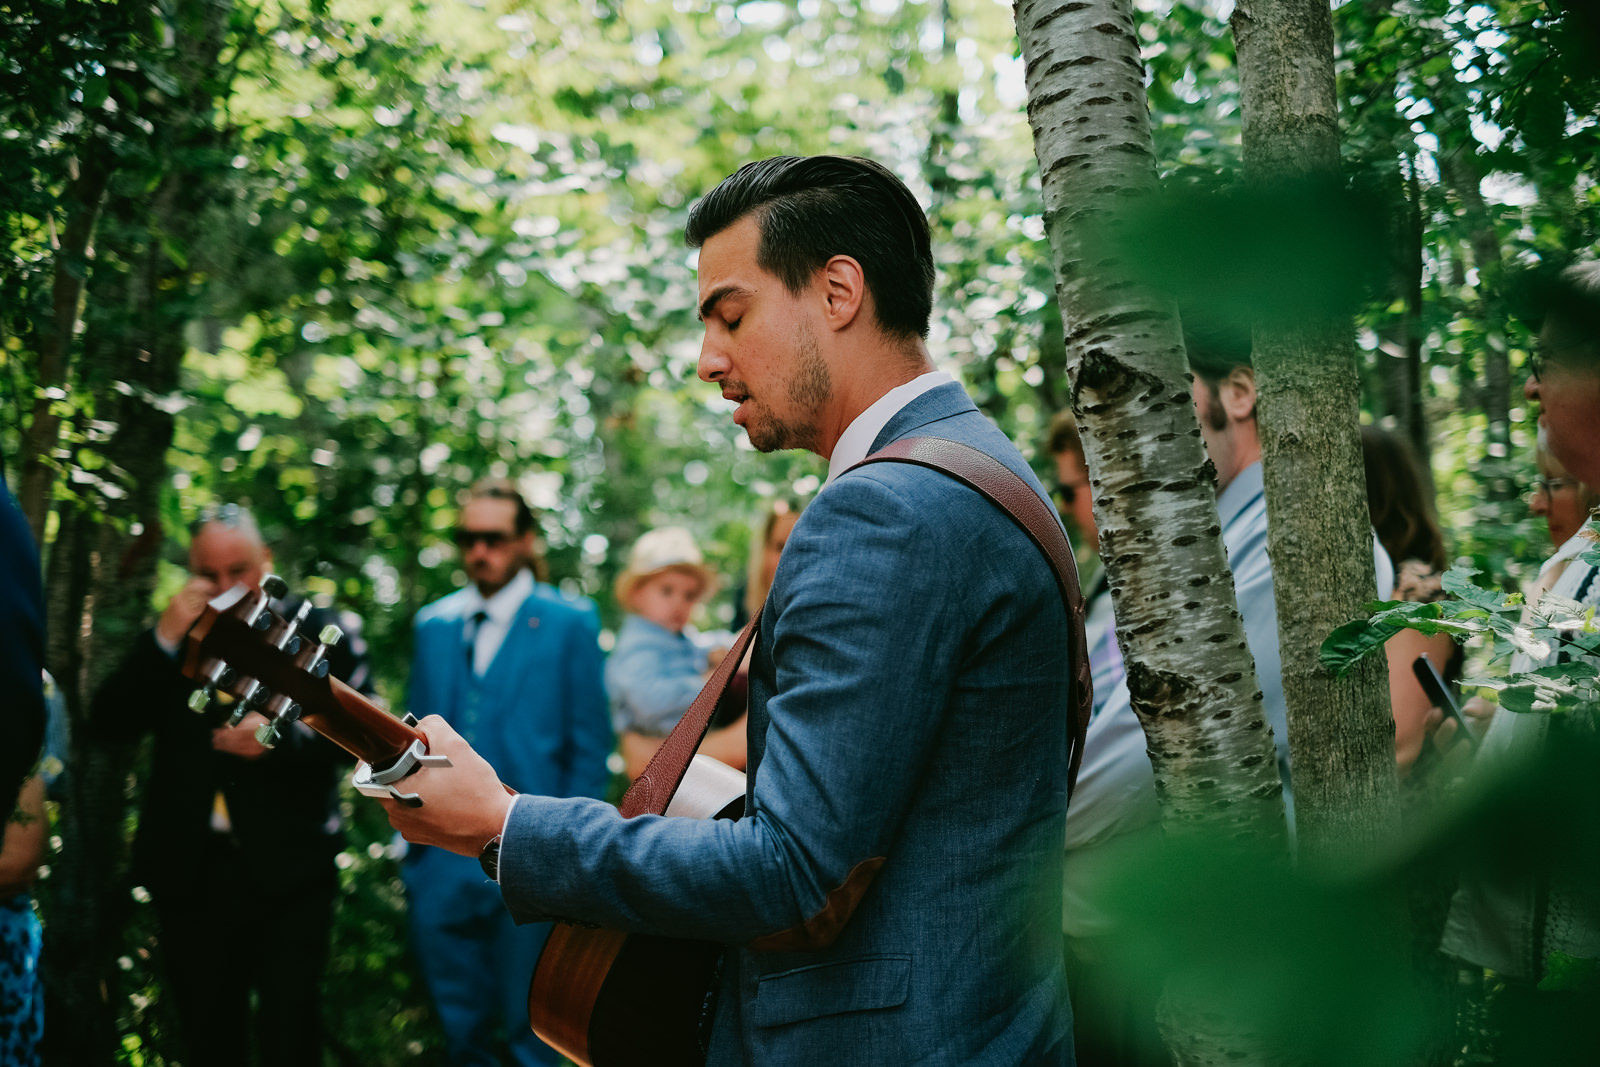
pixel 653 676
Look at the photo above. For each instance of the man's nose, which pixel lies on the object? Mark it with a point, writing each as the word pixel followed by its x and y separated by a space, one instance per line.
pixel 713 365
pixel 1530 388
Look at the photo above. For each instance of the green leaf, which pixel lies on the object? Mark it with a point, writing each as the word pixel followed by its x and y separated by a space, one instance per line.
pixel 1457 581
pixel 1351 643
pixel 1522 699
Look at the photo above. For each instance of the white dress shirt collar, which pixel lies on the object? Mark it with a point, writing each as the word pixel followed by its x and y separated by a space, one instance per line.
pixel 859 435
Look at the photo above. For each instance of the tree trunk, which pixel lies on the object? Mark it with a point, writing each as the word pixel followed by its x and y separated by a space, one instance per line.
pixel 103 561
pixel 82 200
pixel 1190 674
pixel 1462 174
pixel 1319 535
pixel 1400 342
pixel 1191 679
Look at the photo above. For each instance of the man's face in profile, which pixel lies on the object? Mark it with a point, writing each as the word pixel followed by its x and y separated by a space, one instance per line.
pixel 1568 392
pixel 760 344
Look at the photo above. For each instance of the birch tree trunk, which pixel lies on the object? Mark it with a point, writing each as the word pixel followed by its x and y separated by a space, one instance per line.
pixel 1190 674
pixel 1319 536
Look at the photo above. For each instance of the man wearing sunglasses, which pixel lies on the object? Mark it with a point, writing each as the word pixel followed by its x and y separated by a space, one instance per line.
pixel 515 667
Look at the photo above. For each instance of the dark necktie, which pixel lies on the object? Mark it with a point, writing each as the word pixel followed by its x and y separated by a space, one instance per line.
pixel 470 633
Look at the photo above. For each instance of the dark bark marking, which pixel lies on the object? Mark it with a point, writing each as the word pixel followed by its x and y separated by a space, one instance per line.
pixel 1184 540
pixel 1255 759
pixel 1229 678
pixel 1064 161
pixel 1064 9
pixel 1217 639
pixel 1110 28
pixel 1200 580
pixel 1098 100
pixel 1046 100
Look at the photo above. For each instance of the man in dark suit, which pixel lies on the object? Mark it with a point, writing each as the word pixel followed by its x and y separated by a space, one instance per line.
pixel 236 841
pixel 893 894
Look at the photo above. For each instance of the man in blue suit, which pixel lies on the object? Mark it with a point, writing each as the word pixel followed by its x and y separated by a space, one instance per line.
pixel 515 668
pixel 893 894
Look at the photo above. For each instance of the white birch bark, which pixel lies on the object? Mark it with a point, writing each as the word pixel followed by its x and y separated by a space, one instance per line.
pixel 1190 674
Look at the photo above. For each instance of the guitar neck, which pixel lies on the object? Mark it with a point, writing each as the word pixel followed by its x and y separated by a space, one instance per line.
pixel 239 644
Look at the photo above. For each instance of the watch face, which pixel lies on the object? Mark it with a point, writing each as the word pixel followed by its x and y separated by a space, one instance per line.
pixel 489 858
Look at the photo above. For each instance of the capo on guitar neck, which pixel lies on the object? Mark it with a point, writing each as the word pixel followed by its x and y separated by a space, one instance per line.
pixel 380 784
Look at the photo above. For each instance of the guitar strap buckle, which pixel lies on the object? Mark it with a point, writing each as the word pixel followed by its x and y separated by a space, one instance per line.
pixel 380 784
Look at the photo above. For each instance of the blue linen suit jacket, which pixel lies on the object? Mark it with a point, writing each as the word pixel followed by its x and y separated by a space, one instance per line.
pixel 540 715
pixel 893 895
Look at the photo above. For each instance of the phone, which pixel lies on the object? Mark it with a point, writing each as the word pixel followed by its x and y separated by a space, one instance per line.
pixel 1439 694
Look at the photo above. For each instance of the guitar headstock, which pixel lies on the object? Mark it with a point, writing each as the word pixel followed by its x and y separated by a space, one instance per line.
pixel 265 662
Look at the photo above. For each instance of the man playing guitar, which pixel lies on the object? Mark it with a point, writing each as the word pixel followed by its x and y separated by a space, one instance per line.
pixel 893 891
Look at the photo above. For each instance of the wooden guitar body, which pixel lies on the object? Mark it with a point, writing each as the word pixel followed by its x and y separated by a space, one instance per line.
pixel 607 998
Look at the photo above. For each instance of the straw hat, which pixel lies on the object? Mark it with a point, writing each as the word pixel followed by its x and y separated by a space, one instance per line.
pixel 668 548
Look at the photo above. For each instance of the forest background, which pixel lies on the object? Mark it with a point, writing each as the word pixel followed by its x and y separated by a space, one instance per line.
pixel 335 260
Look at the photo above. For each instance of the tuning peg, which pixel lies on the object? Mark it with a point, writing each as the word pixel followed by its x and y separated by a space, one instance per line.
pixel 275 587
pixel 282 710
pixel 330 635
pixel 200 699
pixel 267 735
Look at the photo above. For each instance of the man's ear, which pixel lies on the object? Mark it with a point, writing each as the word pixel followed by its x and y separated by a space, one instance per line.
pixel 1238 394
pixel 844 287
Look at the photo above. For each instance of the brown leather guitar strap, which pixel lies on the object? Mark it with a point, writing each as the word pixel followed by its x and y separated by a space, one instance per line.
pixel 1006 489
pixel 652 791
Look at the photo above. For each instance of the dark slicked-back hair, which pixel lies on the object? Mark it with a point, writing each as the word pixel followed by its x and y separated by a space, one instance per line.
pixel 811 208
pixel 1216 347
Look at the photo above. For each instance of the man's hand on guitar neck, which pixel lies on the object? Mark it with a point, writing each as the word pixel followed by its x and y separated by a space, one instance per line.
pixel 463 805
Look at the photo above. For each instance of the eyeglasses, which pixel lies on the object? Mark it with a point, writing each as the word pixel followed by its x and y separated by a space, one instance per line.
pixel 465 538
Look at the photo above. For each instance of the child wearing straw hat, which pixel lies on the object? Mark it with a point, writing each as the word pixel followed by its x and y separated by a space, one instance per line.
pixel 657 668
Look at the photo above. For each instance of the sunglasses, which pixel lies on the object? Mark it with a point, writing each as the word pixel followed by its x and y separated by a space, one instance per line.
pixel 465 539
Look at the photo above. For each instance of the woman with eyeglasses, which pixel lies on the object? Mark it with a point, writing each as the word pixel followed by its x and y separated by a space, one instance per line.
pixel 1564 501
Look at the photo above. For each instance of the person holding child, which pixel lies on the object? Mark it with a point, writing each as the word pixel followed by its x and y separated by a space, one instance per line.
pixel 658 666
